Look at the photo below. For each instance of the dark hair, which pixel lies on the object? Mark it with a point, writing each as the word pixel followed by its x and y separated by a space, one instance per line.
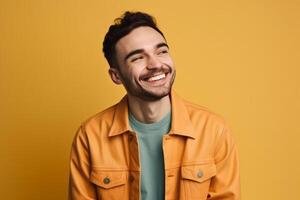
pixel 121 27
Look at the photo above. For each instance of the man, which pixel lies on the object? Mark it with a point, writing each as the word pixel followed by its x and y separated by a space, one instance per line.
pixel 152 145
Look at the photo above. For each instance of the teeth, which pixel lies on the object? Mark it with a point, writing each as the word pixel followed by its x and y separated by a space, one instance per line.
pixel 158 77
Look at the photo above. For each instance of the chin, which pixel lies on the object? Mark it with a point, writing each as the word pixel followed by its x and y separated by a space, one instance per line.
pixel 155 96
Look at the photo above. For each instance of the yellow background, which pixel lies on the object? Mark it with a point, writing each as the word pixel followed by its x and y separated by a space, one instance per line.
pixel 239 58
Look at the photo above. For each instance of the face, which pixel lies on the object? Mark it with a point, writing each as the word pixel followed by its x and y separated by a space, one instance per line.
pixel 145 66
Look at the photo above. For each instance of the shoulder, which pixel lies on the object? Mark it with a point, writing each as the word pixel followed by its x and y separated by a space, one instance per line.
pixel 104 117
pixel 99 121
pixel 207 122
pixel 210 126
pixel 203 113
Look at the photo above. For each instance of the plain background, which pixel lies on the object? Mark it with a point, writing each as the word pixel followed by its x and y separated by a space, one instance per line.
pixel 238 58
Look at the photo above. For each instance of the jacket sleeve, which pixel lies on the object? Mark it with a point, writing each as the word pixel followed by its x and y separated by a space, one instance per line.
pixel 226 184
pixel 80 188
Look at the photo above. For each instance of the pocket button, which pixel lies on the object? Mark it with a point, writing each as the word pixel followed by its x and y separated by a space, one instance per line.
pixel 200 174
pixel 106 180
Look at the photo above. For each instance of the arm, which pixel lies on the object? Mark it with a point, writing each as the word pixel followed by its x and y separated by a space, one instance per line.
pixel 226 184
pixel 80 188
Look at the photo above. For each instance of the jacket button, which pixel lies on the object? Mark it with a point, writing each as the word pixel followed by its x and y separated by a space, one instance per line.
pixel 130 137
pixel 167 138
pixel 106 180
pixel 200 174
pixel 131 178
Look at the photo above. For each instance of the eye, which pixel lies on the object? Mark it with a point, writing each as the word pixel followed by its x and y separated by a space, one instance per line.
pixel 163 51
pixel 136 58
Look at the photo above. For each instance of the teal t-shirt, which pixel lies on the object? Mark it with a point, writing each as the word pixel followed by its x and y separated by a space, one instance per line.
pixel 151 156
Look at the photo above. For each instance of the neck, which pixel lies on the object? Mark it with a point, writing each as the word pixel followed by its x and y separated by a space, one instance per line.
pixel 149 111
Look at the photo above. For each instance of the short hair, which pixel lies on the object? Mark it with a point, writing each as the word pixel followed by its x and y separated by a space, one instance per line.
pixel 121 27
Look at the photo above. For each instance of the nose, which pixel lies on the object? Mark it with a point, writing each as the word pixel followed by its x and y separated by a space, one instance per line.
pixel 153 62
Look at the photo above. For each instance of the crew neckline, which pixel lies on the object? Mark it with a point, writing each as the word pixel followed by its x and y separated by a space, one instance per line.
pixel 149 127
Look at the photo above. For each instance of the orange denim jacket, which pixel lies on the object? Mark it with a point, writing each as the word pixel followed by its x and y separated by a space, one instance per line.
pixel 200 156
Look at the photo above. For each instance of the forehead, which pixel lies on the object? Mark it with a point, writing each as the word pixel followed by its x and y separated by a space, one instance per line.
pixel 140 38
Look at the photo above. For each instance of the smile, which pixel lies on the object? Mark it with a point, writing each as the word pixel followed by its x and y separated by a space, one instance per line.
pixel 156 77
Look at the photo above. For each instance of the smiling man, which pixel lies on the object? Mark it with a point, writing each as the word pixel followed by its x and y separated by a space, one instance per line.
pixel 152 145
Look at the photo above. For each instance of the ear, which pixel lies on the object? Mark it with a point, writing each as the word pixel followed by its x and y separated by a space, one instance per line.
pixel 115 76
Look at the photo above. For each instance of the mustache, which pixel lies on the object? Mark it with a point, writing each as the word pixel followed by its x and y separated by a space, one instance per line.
pixel 154 72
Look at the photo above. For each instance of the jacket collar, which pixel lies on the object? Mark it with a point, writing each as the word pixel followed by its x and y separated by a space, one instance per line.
pixel 180 125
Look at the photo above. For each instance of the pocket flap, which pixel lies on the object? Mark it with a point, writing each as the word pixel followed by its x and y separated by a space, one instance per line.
pixel 108 179
pixel 198 173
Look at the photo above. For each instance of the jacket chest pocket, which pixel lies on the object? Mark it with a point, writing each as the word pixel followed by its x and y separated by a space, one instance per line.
pixel 195 180
pixel 110 185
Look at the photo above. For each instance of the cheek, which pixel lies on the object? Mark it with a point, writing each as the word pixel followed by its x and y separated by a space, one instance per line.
pixel 136 70
pixel 168 61
pixel 133 75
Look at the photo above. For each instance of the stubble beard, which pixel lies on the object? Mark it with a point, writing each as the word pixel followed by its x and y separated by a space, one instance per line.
pixel 142 93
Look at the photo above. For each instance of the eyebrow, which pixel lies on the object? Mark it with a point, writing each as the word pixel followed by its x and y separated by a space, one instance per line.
pixel 138 51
